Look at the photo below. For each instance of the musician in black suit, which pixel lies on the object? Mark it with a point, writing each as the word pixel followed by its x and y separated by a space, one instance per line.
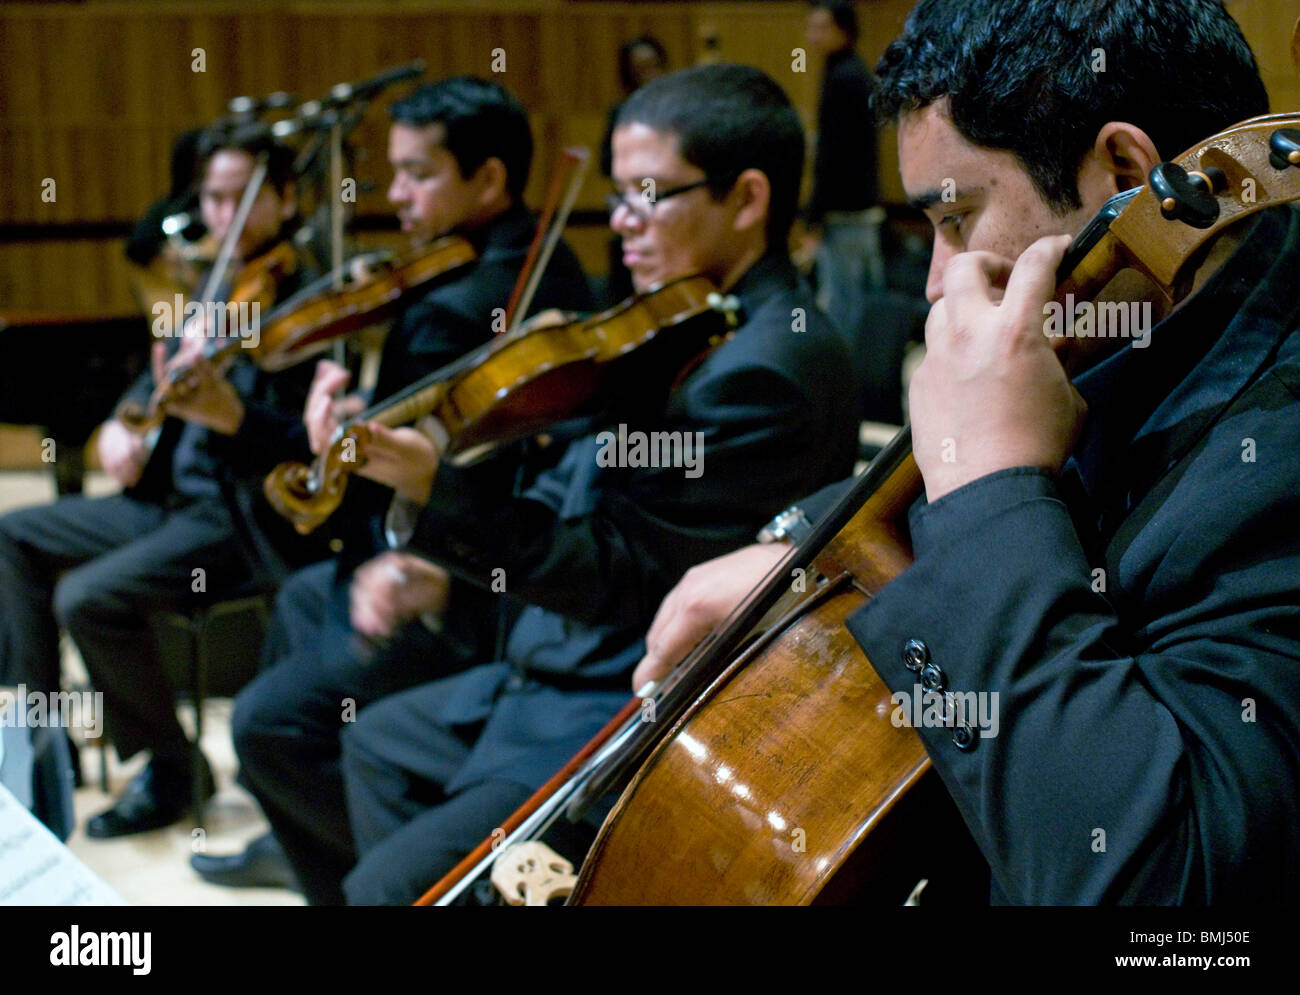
pixel 593 543
pixel 461 152
pixel 1113 564
pixel 189 525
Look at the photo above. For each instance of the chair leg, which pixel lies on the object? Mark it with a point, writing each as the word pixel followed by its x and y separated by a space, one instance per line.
pixel 200 676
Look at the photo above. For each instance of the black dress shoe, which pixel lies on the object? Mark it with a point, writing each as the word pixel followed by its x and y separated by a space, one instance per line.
pixel 156 797
pixel 261 865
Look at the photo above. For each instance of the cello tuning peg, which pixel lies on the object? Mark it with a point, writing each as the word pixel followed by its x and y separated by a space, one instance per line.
pixel 1284 148
pixel 1211 178
pixel 1186 197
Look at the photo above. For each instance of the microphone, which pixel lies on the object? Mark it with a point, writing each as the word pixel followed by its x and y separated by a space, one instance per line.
pixel 252 106
pixel 314 114
pixel 343 93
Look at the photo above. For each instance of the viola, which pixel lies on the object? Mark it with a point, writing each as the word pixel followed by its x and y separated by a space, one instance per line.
pixel 521 383
pixel 749 740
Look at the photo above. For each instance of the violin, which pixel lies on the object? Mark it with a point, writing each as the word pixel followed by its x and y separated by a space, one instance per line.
pixel 333 306
pixel 521 383
pixel 174 271
pixel 748 743
pixel 306 323
pixel 255 284
pixel 309 321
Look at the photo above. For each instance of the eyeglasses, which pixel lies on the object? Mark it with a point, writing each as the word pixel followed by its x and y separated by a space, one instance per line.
pixel 642 205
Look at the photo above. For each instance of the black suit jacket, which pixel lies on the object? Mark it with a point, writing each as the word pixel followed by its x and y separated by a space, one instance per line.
pixel 451 318
pixel 845 166
pixel 1139 619
pixel 593 549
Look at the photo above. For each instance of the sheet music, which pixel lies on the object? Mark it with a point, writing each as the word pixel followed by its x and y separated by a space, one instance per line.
pixel 36 869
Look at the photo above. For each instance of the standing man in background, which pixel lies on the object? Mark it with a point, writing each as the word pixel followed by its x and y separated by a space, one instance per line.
pixel 842 212
pixel 641 60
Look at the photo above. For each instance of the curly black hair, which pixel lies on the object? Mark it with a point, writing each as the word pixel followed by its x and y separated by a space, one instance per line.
pixel 1039 78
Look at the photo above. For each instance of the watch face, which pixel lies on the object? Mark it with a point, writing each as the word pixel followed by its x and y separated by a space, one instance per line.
pixel 791 524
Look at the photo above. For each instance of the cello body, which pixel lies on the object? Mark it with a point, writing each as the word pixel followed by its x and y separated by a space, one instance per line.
pixel 828 793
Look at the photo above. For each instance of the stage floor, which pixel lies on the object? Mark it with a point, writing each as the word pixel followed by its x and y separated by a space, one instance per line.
pixel 153 868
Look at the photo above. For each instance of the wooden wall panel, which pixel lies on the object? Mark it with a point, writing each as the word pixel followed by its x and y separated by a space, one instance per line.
pixel 1267 26
pixel 92 94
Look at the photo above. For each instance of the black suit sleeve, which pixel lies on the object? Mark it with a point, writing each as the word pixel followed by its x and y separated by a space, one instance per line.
pixel 272 430
pixel 616 563
pixel 816 505
pixel 139 392
pixel 1145 753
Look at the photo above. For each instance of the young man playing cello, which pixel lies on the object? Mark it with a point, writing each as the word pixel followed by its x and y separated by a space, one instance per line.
pixel 1115 559
pixel 707 164
pixel 461 152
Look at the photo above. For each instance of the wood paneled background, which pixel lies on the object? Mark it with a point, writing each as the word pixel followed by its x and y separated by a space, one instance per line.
pixel 92 94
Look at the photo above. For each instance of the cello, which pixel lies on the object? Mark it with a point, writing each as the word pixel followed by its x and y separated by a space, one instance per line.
pixel 749 789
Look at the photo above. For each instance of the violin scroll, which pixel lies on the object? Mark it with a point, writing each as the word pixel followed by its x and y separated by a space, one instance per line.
pixel 138 418
pixel 308 495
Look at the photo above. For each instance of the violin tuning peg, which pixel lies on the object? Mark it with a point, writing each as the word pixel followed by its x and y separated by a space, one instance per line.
pixel 728 304
pixel 1184 196
pixel 1284 148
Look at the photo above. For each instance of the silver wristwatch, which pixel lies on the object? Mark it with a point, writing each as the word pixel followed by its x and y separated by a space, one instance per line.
pixel 791 525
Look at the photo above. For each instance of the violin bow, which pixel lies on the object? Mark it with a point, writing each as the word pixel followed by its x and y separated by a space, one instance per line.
pixel 227 251
pixel 566 182
pixel 146 421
